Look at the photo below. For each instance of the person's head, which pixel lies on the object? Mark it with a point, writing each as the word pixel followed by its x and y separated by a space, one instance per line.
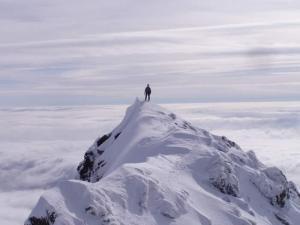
pixel 148 85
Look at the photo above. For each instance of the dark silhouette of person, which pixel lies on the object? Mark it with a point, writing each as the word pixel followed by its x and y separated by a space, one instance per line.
pixel 147 93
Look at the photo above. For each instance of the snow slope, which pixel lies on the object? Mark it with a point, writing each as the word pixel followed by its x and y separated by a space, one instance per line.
pixel 155 168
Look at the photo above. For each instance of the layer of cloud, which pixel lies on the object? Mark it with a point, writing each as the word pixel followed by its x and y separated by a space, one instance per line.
pixel 43 145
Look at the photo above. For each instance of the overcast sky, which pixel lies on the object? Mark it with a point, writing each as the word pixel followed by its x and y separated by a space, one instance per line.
pixel 56 52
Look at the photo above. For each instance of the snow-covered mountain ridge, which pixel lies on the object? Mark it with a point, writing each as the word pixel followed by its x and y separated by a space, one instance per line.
pixel 156 168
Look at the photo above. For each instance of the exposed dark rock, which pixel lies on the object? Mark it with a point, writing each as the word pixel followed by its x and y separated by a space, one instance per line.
pixel 100 152
pixel 229 143
pixel 282 220
pixel 293 191
pixel 282 197
pixel 225 187
pixel 251 213
pixel 90 210
pixel 172 116
pixel 98 178
pixel 106 220
pixel 85 168
pixel 101 140
pixel 89 165
pixel 167 215
pixel 223 178
pixel 224 145
pixel 117 135
pixel 49 219
pixel 273 184
pixel 277 176
pixel 100 162
pixel 187 125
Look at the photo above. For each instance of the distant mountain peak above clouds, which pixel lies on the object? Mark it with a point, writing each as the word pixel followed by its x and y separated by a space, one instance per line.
pixel 158 168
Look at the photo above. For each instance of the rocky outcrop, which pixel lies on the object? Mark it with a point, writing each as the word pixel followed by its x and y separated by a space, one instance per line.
pixel 222 177
pixel 48 219
pixel 91 163
pixel 272 183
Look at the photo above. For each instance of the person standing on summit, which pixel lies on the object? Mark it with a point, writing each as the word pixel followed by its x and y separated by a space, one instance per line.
pixel 147 93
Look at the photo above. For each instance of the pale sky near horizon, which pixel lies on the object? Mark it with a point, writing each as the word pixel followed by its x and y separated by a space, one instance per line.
pixel 72 52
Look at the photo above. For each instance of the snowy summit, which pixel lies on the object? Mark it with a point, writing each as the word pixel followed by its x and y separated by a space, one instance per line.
pixel 155 168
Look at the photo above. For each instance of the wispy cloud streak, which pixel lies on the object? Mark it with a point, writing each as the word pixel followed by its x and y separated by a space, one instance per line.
pixel 105 52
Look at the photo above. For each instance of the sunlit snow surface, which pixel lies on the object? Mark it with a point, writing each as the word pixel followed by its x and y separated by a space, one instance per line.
pixel 39 146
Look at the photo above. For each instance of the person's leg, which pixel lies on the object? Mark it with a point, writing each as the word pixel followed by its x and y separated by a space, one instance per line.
pixel 149 98
pixel 145 97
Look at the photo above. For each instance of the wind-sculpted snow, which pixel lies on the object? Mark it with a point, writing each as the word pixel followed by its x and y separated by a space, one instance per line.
pixel 156 168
